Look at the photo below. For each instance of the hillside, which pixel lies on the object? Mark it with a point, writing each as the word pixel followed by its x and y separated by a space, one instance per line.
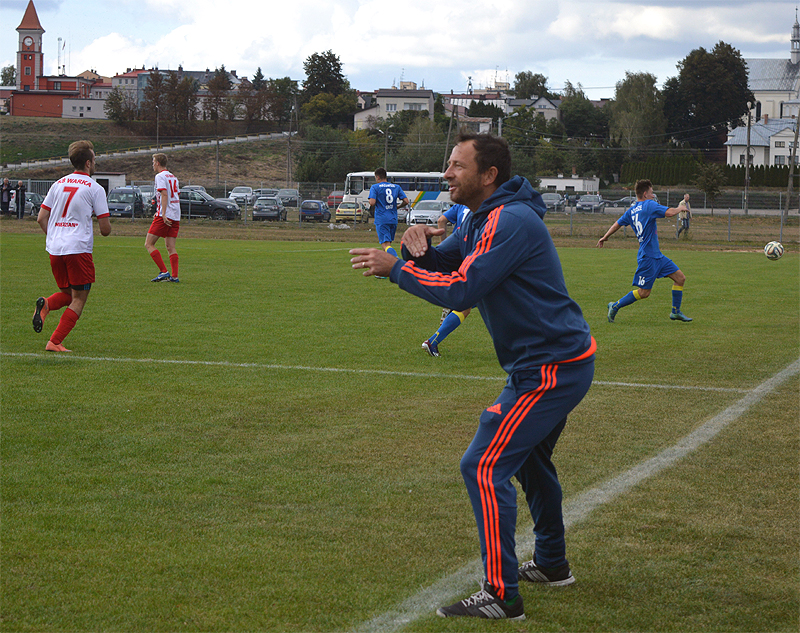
pixel 34 138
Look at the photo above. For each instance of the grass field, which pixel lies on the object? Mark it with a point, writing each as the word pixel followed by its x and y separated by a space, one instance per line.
pixel 265 447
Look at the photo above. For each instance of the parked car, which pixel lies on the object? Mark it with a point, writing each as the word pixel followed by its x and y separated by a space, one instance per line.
pixel 33 200
pixel 554 202
pixel 315 210
pixel 335 198
pixel 351 211
pixel 265 193
pixel 194 187
pixel 269 209
pixel 12 206
pixel 426 212
pixel 198 203
pixel 592 204
pixel 622 202
pixel 126 202
pixel 289 197
pixel 148 191
pixel 242 195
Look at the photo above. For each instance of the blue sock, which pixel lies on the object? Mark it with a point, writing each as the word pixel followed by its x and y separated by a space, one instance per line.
pixel 391 251
pixel 627 300
pixel 677 298
pixel 450 323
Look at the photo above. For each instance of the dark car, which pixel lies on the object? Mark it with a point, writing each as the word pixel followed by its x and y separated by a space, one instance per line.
pixel 269 209
pixel 315 210
pixel 288 197
pixel 592 204
pixel 554 202
pixel 196 203
pixel 622 202
pixel 35 199
pixel 126 202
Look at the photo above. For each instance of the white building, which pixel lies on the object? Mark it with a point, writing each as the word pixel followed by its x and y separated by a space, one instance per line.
pixel 771 142
pixel 775 83
pixel 387 102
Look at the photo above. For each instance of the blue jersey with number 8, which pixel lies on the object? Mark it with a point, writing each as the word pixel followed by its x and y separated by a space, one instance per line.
pixel 386 196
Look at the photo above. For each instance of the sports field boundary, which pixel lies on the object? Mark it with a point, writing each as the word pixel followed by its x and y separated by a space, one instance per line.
pixel 344 370
pixel 577 509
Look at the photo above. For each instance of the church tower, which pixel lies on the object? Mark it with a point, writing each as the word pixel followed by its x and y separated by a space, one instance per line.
pixel 30 59
pixel 795 40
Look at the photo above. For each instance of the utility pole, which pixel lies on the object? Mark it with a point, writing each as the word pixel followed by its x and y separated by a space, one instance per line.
pixel 747 162
pixel 792 161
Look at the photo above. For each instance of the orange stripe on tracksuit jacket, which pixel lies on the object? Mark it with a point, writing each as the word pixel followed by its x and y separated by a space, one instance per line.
pixel 503 260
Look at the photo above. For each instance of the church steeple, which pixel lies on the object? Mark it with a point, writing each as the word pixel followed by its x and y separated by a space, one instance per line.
pixel 795 39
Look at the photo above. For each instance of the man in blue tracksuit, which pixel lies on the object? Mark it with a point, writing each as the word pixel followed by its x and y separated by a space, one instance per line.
pixel 503 260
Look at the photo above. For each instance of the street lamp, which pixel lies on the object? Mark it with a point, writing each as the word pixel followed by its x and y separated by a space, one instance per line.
pixel 500 122
pixel 747 161
pixel 157 122
pixel 385 143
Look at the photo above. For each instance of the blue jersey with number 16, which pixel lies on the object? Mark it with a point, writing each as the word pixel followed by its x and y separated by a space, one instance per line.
pixel 641 217
pixel 386 196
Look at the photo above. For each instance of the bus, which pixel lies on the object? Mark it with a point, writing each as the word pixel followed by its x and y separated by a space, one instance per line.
pixel 417 185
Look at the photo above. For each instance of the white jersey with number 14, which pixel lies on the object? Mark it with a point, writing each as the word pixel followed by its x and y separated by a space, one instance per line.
pixel 165 181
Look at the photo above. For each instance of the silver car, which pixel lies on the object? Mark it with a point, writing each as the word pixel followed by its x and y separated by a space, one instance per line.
pixel 426 212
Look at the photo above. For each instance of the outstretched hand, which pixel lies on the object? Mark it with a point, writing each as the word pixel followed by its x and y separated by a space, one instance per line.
pixel 373 261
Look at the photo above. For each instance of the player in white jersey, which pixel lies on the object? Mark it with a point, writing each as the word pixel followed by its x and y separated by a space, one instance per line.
pixel 166 221
pixel 66 218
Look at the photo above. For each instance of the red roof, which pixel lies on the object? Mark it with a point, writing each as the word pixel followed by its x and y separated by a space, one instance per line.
pixel 30 21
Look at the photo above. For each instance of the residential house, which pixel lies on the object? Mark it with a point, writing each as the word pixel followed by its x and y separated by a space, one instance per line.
pixel 771 142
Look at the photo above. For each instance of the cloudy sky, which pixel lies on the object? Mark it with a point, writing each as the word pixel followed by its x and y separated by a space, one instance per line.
pixel 438 44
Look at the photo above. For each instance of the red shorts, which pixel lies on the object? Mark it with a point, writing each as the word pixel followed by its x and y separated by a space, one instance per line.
pixel 76 271
pixel 159 229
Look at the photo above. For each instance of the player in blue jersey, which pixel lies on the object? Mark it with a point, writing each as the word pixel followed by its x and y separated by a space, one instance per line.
pixel 651 263
pixel 385 198
pixel 502 260
pixel 451 319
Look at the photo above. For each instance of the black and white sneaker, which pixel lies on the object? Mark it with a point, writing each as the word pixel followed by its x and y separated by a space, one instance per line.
pixel 484 604
pixel 557 577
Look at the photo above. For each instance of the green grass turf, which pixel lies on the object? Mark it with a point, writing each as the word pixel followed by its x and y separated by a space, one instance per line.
pixel 248 486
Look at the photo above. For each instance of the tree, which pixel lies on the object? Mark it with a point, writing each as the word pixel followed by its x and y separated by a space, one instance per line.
pixel 580 117
pixel 328 109
pixel 120 106
pixel 258 80
pixel 8 77
pixel 708 96
pixel 482 109
pixel 323 76
pixel 181 98
pixel 422 148
pixel 219 87
pixel 528 85
pixel 637 115
pixel 281 97
pixel 710 179
pixel 154 97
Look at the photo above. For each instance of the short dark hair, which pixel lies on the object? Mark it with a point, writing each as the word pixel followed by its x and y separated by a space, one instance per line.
pixel 490 151
pixel 161 159
pixel 80 152
pixel 642 186
pixel 381 173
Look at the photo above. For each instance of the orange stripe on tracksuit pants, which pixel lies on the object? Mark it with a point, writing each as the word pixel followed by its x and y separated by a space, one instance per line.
pixel 515 438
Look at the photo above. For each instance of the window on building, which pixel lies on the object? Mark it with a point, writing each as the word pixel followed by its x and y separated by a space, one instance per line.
pixel 780 160
pixel 56 85
pixel 417 107
pixel 74 108
pixel 780 143
pixel 28 71
pixel 391 107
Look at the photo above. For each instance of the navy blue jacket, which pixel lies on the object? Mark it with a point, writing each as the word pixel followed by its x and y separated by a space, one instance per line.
pixel 503 260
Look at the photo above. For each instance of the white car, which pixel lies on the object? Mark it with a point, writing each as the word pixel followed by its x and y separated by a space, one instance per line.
pixel 243 195
pixel 426 212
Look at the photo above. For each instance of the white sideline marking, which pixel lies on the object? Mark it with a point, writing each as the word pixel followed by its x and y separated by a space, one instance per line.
pixel 451 587
pixel 344 370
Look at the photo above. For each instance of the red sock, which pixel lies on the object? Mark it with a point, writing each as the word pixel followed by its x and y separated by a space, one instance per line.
pixel 65 325
pixel 58 300
pixel 173 262
pixel 156 255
